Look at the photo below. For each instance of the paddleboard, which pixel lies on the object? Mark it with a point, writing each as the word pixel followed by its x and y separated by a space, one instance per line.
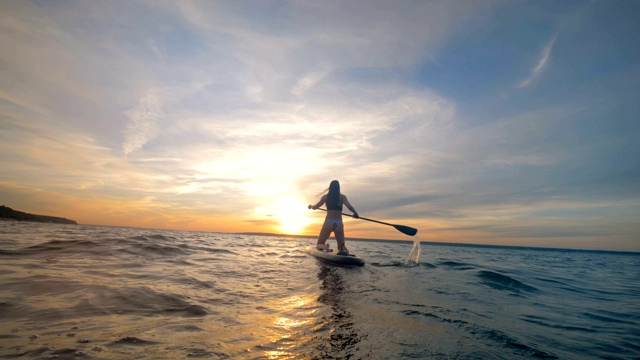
pixel 334 258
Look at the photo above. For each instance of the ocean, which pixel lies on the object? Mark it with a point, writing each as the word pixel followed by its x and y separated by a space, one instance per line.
pixel 93 292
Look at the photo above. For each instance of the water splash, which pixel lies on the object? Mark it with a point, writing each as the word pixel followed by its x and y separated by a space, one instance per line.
pixel 414 255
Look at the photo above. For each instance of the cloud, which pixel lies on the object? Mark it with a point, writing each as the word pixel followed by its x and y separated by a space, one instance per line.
pixel 311 79
pixel 145 119
pixel 279 51
pixel 541 64
pixel 216 108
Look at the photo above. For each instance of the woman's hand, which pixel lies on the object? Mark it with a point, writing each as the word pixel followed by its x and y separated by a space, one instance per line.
pixel 355 215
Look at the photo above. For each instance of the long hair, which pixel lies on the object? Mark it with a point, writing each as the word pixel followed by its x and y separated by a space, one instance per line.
pixel 333 197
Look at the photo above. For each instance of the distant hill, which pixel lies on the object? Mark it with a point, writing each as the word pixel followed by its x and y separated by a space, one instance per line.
pixel 9 213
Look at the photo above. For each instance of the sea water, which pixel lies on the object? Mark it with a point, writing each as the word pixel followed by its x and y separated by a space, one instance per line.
pixel 91 292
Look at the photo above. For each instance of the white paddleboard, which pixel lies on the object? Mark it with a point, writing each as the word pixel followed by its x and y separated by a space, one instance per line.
pixel 333 258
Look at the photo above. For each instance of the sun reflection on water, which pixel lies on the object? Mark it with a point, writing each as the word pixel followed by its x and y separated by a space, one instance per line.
pixel 288 324
pixel 287 333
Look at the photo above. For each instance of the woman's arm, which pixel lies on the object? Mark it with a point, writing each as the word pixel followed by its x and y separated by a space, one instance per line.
pixel 346 202
pixel 320 203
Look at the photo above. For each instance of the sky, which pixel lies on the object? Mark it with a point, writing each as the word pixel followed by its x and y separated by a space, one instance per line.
pixel 486 122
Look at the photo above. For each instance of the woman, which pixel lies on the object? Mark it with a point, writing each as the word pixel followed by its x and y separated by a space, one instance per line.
pixel 333 221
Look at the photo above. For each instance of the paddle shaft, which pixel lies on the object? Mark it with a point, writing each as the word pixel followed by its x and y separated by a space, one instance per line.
pixel 403 229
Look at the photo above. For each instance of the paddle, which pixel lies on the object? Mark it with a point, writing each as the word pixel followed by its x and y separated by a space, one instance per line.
pixel 403 229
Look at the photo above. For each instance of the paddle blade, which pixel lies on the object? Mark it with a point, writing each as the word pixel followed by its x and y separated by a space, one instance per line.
pixel 406 229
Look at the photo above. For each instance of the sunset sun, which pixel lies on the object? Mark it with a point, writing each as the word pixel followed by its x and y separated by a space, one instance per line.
pixel 292 215
pixel 289 213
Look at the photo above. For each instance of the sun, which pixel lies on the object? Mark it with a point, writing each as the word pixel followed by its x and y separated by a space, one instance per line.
pixel 290 212
pixel 292 224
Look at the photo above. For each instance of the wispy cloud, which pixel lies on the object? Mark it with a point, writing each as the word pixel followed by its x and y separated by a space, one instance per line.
pixel 541 64
pixel 145 120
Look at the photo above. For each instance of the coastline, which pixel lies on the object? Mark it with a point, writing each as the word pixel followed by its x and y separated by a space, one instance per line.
pixel 7 213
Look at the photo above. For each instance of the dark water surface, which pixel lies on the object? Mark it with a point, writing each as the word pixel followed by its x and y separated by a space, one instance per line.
pixel 90 292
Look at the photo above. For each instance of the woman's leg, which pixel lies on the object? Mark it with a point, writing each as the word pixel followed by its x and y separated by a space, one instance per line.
pixel 339 232
pixel 325 232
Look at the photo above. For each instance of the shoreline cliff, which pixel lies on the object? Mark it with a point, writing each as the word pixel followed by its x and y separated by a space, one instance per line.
pixel 9 213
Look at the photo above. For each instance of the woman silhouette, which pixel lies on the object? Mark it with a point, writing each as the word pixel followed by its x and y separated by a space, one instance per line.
pixel 333 222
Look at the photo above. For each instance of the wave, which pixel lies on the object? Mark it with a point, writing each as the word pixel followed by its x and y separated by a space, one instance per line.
pixel 512 343
pixel 215 250
pixel 434 316
pixel 55 246
pixel 132 340
pixel 154 237
pixel 492 335
pixel 539 321
pixel 457 265
pixel 551 281
pixel 101 247
pixel 146 301
pixel 608 319
pixel 503 282
pixel 156 249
